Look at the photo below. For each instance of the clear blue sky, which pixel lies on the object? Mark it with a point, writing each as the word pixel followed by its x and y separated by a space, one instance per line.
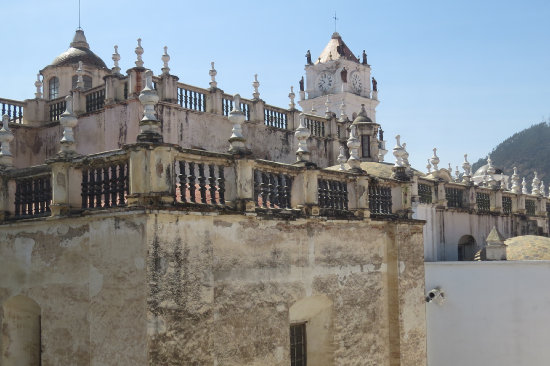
pixel 458 75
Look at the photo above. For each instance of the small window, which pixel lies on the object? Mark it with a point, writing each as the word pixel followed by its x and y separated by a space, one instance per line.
pixel 53 87
pixel 87 81
pixel 298 351
pixel 365 146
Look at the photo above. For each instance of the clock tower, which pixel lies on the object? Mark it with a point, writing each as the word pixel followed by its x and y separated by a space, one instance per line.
pixel 343 77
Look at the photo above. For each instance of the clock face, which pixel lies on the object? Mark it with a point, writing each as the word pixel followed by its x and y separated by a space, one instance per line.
pixel 325 82
pixel 356 83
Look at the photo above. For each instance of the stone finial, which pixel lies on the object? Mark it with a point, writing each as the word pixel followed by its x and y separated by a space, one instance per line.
pixel 429 167
pixel 6 136
pixel 535 187
pixel 80 76
pixel 213 83
pixel 38 84
pixel 291 96
pixel 327 107
pixel 256 85
pixel 68 121
pixel 116 59
pixel 237 118
pixel 542 189
pixel 515 181
pixel 165 59
pixel 398 153
pixel 466 178
pixel 139 52
pixel 450 169
pixel 149 126
pixel 302 134
pixel 524 186
pixel 457 174
pixel 353 145
pixel 435 159
pixel 343 117
pixel 342 158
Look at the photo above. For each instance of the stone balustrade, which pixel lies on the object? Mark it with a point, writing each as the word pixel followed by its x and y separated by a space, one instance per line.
pixel 170 177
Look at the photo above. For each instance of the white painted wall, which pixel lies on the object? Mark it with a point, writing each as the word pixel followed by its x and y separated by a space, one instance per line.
pixel 496 313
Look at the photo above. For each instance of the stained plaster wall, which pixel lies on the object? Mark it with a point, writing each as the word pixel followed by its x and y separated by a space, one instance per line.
pixel 221 288
pixel 444 228
pixel 174 288
pixel 88 277
pixel 118 124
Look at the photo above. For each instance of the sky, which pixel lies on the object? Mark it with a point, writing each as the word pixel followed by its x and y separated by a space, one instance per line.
pixel 461 76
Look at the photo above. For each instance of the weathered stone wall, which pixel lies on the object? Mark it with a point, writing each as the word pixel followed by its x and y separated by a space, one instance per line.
pixel 173 288
pixel 88 277
pixel 221 288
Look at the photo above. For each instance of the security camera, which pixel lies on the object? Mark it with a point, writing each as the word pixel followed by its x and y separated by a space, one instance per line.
pixel 436 295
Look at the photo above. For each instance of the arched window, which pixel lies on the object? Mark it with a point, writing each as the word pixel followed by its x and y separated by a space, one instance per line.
pixel 466 248
pixel 53 87
pixel 21 332
pixel 87 81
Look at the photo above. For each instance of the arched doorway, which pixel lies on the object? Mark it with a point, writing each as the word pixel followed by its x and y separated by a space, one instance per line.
pixel 20 332
pixel 466 248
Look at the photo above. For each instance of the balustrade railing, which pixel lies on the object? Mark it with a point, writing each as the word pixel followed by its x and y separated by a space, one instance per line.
pixel 483 202
pixel 227 106
pixel 33 196
pixel 332 195
pixel 191 98
pixel 506 204
pixel 425 193
pixel 105 184
pixel 272 190
pixel 13 108
pixel 276 117
pixel 56 108
pixel 95 99
pixel 380 199
pixel 316 125
pixel 200 182
pixel 454 197
pixel 530 207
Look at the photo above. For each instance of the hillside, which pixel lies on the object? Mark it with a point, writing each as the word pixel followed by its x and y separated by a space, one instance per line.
pixel 528 150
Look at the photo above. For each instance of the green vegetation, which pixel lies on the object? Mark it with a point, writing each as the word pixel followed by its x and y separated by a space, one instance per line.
pixel 528 150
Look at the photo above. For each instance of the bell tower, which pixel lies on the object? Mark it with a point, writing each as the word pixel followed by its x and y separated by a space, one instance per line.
pixel 342 77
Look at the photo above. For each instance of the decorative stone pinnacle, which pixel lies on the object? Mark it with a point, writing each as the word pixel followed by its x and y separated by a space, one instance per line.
pixel 302 134
pixel 6 136
pixel 38 84
pixel 457 174
pixel 398 153
pixel 165 59
pixel 435 159
pixel 535 188
pixel 256 85
pixel 466 178
pixel 490 169
pixel 149 126
pixel 68 121
pixel 515 181
pixel 80 79
pixel 405 156
pixel 237 118
pixel 213 73
pixel 353 145
pixel 342 158
pixel 116 59
pixel 429 166
pixel 524 186
pixel 343 117
pixel 542 189
pixel 327 107
pixel 291 96
pixel 139 52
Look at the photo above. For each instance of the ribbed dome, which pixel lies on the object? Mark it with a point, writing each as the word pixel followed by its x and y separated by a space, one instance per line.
pixel 79 50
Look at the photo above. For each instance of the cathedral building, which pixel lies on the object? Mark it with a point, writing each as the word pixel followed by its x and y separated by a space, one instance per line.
pixel 146 221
